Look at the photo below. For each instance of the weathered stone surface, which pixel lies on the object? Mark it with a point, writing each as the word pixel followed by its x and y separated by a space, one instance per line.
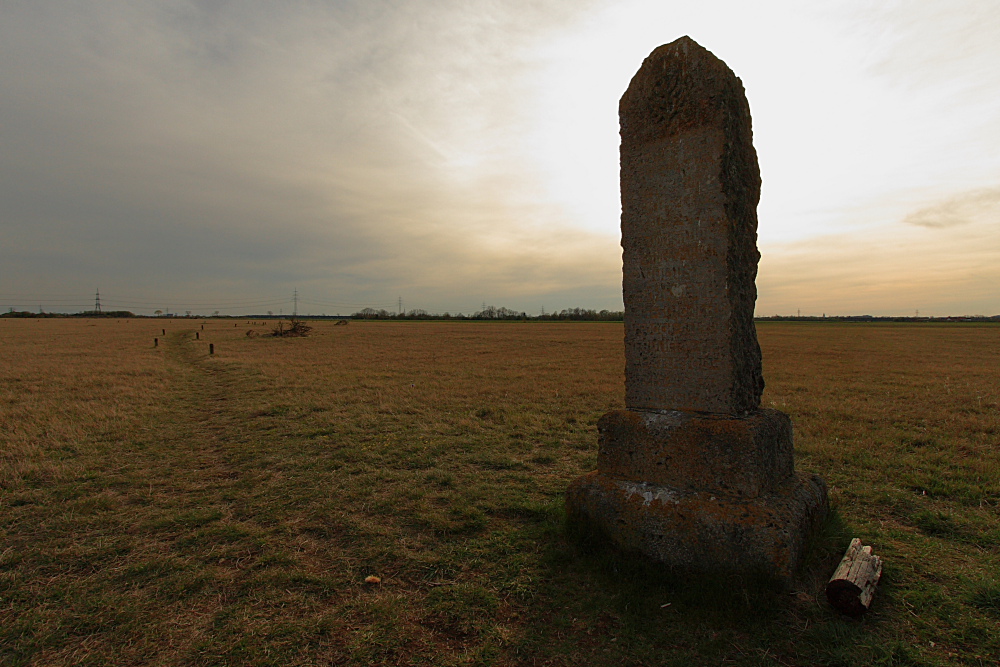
pixel 700 531
pixel 738 456
pixel 694 474
pixel 690 186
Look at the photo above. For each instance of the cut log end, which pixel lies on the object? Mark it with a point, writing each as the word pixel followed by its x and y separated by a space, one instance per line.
pixel 852 586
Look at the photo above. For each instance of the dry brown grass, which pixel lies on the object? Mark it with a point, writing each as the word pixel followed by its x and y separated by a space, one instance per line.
pixel 70 386
pixel 161 506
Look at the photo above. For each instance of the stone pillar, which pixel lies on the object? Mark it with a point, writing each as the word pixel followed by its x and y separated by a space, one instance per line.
pixel 694 473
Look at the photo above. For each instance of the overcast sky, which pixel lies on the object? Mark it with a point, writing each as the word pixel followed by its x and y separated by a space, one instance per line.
pixel 218 155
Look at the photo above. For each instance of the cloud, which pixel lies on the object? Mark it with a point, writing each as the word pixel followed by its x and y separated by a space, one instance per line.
pixel 934 42
pixel 892 268
pixel 451 151
pixel 959 210
pixel 352 148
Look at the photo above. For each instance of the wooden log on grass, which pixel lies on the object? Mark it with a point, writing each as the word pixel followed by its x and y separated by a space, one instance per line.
pixel 852 586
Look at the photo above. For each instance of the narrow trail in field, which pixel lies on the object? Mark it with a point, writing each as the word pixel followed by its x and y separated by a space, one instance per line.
pixel 209 391
pixel 203 426
pixel 211 495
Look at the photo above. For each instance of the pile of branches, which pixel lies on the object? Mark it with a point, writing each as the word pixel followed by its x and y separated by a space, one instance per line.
pixel 295 329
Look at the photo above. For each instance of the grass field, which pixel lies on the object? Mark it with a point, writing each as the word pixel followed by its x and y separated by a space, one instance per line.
pixel 162 506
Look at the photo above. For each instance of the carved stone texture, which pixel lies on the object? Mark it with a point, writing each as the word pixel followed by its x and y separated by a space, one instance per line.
pixel 742 457
pixel 690 186
pixel 694 473
pixel 701 531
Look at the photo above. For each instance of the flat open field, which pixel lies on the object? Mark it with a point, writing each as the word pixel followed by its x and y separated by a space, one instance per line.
pixel 161 506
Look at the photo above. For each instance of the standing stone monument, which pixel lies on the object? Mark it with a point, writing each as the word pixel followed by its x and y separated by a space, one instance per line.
pixel 694 473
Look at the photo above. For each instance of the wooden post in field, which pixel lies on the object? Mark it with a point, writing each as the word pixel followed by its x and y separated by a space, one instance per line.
pixel 202 327
pixel 211 348
pixel 852 586
pixel 197 335
pixel 156 342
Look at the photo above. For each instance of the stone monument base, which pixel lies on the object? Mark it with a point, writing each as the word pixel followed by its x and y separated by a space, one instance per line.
pixel 701 491
pixel 701 531
pixel 736 456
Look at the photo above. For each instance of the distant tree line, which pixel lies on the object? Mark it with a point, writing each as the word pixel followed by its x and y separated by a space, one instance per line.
pixel 105 313
pixel 27 313
pixel 494 313
pixel 877 318
pixel 89 313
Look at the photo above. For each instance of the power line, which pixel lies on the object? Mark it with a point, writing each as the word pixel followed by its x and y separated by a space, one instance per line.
pixel 58 302
pixel 78 300
pixel 348 304
pixel 160 298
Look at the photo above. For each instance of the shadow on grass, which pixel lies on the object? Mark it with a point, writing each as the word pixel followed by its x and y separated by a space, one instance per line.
pixel 735 596
pixel 607 606
pixel 643 585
